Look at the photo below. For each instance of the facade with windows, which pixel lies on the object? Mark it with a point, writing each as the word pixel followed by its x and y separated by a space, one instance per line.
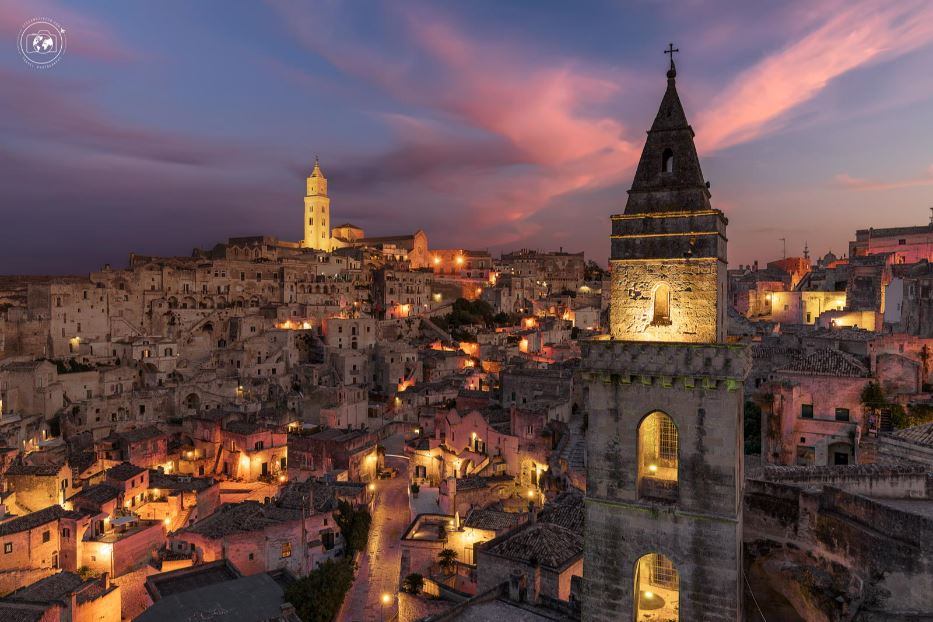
pixel 814 415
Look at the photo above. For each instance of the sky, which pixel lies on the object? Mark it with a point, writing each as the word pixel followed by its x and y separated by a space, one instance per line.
pixel 491 125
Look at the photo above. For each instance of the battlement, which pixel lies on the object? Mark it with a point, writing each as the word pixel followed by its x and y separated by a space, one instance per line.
pixel 670 360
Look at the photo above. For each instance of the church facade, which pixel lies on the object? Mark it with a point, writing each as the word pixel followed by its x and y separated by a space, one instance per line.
pixel 664 399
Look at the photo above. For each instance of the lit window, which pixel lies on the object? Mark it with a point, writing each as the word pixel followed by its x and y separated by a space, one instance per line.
pixel 658 457
pixel 286 549
pixel 657 588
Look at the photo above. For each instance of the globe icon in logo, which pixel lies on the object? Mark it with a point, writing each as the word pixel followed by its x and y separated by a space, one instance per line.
pixel 42 42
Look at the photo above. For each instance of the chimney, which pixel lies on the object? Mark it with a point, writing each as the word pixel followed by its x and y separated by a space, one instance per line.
pixel 536 587
pixel 516 587
pixel 105 580
pixel 532 512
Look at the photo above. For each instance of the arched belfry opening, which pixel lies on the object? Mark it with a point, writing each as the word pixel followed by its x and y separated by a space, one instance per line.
pixel 661 309
pixel 657 589
pixel 667 161
pixel 658 457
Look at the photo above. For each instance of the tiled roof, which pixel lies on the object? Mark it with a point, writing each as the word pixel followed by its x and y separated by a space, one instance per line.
pixel 492 519
pixel 35 519
pixel 917 435
pixel 50 588
pixel 34 469
pixel 566 510
pixel 234 518
pixel 141 434
pixel 124 471
pixel 158 479
pixel 475 482
pixel 827 362
pixel 545 543
pixel 98 494
pixel 22 612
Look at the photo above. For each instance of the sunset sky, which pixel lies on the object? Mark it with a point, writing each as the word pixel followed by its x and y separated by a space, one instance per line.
pixel 490 124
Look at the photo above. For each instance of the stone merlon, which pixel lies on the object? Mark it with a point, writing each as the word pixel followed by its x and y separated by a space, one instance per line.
pixel 674 360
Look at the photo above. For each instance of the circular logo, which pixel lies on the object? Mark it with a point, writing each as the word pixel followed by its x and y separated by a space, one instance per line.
pixel 42 42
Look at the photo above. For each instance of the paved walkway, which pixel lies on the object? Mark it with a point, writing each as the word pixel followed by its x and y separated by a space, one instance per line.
pixel 380 563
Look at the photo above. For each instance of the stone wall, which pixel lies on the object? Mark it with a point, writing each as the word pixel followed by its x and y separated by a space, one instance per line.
pixel 875 480
pixel 871 556
pixel 700 387
pixel 697 293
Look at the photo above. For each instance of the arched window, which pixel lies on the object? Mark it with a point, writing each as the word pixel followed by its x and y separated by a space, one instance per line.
pixel 658 457
pixel 667 161
pixel 657 588
pixel 661 315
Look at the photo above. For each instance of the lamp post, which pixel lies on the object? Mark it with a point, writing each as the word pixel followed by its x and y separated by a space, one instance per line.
pixel 386 599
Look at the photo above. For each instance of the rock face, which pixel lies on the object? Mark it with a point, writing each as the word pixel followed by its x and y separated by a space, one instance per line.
pixel 664 399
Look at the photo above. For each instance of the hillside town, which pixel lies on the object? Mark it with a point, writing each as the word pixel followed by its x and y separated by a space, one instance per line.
pixel 360 424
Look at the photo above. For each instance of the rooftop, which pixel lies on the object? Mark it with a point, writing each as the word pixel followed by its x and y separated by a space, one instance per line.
pixel 548 544
pixel 50 588
pixel 140 434
pixel 124 471
pixel 244 599
pixel 827 362
pixel 492 519
pixel 233 518
pixel 917 435
pixel 36 519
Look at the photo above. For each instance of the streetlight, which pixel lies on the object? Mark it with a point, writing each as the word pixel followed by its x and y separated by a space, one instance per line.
pixel 386 599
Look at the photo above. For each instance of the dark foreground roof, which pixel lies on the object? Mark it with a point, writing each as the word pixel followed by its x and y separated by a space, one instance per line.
pixel 254 598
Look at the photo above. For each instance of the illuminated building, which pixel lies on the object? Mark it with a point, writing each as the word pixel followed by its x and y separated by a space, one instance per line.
pixel 317 211
pixel 665 398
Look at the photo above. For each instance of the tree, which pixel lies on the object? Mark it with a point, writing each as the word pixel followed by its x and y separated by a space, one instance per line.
pixel 318 596
pixel 354 525
pixel 873 397
pixel 447 559
pixel 413 583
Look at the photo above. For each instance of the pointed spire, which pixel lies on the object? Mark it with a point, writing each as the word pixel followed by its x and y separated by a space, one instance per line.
pixel 668 177
pixel 316 171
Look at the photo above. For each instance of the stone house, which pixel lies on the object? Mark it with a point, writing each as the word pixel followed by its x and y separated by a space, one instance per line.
pixel 38 543
pixel 252 452
pixel 66 597
pixel 40 486
pixel 257 537
pixel 355 451
pixel 815 416
pixel 145 447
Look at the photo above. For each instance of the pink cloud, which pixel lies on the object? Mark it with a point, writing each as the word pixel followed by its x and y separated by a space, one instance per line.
pixel 539 113
pixel 846 38
pixel 865 185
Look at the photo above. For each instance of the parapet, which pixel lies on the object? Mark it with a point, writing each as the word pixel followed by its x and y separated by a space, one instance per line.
pixel 717 361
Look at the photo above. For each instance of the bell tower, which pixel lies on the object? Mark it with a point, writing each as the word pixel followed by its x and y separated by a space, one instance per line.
pixel 664 438
pixel 317 211
pixel 668 248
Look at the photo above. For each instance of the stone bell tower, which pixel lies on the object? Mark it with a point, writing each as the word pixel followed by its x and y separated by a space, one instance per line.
pixel 664 402
pixel 317 211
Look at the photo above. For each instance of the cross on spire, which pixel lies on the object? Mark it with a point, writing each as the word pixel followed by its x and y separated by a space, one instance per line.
pixel 672 72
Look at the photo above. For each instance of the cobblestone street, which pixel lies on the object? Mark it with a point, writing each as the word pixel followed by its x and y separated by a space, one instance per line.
pixel 379 565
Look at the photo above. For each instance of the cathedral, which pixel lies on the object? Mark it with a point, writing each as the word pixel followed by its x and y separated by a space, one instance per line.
pixel 664 398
